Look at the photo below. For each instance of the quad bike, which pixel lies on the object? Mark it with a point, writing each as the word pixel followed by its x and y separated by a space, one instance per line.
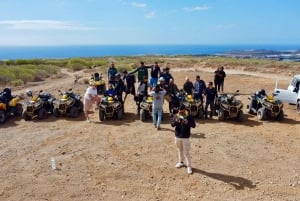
pixel 99 81
pixel 146 108
pixel 69 104
pixel 9 105
pixel 110 107
pixel 194 106
pixel 265 107
pixel 38 106
pixel 228 107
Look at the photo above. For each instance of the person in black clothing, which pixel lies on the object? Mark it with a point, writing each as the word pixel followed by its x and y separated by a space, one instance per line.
pixel 172 92
pixel 188 86
pixel 210 95
pixel 167 76
pixel 119 87
pixel 155 73
pixel 130 81
pixel 222 78
pixel 183 122
pixel 217 79
pixel 142 92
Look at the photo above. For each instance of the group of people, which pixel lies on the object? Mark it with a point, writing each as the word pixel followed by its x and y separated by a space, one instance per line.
pixel 162 86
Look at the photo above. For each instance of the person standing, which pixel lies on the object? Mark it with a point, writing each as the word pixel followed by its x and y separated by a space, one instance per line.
pixel 172 92
pixel 130 81
pixel 188 86
pixel 111 73
pixel 155 74
pixel 217 78
pixel 210 95
pixel 183 122
pixel 141 92
pixel 90 98
pixel 222 78
pixel 119 87
pixel 157 105
pixel 142 71
pixel 199 88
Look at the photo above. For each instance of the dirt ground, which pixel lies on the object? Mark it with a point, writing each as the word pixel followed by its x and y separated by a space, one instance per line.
pixel 130 160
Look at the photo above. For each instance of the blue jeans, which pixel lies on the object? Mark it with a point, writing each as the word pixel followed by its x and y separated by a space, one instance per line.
pixel 156 115
pixel 153 82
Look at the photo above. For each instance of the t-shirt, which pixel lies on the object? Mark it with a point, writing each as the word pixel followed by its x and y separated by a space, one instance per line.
pixel 90 91
pixel 158 99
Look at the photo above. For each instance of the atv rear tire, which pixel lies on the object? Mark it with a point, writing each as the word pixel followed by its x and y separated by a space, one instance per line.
pixel 298 106
pixel 74 112
pixel 2 117
pixel 221 115
pixel 80 107
pixel 101 115
pixel 43 113
pixel 142 115
pixel 261 114
pixel 25 116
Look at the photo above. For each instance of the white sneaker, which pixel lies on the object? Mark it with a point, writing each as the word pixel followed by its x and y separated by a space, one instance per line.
pixel 179 165
pixel 189 170
pixel 88 120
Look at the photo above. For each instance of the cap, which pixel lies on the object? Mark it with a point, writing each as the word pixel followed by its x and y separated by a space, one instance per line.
pixel 117 75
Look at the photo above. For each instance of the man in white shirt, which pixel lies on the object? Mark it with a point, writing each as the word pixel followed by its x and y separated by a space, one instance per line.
pixel 90 98
pixel 157 105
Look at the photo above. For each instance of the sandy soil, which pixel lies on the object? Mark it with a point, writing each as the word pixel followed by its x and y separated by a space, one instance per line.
pixel 130 160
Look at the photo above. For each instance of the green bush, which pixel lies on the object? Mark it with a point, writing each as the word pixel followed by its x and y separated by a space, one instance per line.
pixel 77 64
pixel 17 82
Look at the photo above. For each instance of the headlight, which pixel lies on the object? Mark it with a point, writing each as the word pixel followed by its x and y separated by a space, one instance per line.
pixel 267 105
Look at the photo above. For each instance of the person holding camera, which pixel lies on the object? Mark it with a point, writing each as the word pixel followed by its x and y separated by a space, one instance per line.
pixel 157 105
pixel 183 122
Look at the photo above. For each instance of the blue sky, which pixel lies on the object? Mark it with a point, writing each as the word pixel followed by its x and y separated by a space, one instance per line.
pixel 79 22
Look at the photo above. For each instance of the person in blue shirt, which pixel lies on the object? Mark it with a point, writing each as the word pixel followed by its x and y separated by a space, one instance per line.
pixel 111 74
pixel 199 88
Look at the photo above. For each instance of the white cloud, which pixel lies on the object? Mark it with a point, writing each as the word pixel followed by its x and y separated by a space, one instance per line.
pixel 197 8
pixel 43 25
pixel 150 15
pixel 139 5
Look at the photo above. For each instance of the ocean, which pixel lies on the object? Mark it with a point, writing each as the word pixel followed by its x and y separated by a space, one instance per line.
pixel 60 52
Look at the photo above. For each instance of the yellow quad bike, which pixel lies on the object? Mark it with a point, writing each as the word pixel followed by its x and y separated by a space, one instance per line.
pixel 69 104
pixel 229 107
pixel 194 106
pixel 9 106
pixel 146 108
pixel 110 107
pixel 265 107
pixel 99 81
pixel 39 106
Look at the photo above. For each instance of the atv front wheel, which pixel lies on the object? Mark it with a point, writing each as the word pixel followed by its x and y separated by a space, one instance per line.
pixel 248 109
pixel 120 114
pixel 221 115
pixel 74 112
pixel 19 109
pixel 142 115
pixel 2 117
pixel 201 113
pixel 240 116
pixel 101 115
pixel 25 116
pixel 55 112
pixel 280 116
pixel 261 114
pixel 42 113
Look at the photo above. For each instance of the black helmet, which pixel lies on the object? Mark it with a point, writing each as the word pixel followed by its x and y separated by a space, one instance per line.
pixel 262 92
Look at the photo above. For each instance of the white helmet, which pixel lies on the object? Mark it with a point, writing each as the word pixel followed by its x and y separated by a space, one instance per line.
pixel 161 79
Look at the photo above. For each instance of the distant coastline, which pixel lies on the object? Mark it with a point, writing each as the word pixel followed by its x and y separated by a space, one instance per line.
pixel 274 52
